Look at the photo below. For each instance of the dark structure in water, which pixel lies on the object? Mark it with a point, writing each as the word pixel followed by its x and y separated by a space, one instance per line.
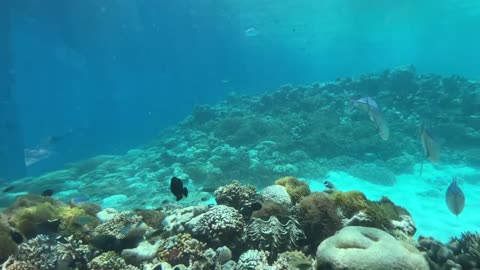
pixel 11 140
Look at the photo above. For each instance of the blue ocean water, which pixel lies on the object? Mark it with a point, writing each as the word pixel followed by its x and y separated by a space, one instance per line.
pixel 118 71
pixel 106 77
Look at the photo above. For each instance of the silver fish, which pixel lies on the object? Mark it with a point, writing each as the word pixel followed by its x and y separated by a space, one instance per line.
pixel 455 198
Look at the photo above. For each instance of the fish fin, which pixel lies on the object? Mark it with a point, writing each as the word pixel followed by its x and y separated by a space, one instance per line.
pixel 185 191
pixel 421 168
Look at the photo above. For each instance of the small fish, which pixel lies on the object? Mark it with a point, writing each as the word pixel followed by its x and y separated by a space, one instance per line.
pixel 251 32
pixel 455 198
pixel 77 201
pixel 16 237
pixel 47 193
pixel 329 185
pixel 177 188
pixel 248 209
pixel 429 145
pixel 364 103
pixel 35 155
pixel 8 189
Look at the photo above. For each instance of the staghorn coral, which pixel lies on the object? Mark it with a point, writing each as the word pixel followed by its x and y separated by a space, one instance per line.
pixel 72 252
pixel 274 236
pixel 296 189
pixel 180 249
pixel 221 224
pixel 235 195
pixel 109 261
pixel 12 264
pixel 318 217
pixel 469 244
pixel 40 251
pixel 44 252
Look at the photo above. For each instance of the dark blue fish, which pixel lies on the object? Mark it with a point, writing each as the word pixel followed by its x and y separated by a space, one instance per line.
pixel 177 188
pixel 329 185
pixel 47 193
pixel 455 198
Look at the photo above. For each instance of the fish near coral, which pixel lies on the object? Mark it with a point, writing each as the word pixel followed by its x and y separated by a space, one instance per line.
pixel 429 145
pixel 455 198
pixel 177 188
pixel 369 105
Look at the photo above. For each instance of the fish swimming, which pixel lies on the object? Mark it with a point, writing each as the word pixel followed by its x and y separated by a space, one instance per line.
pixel 455 198
pixel 329 185
pixel 177 188
pixel 8 189
pixel 251 32
pixel 248 209
pixel 369 105
pixel 429 145
pixel 47 193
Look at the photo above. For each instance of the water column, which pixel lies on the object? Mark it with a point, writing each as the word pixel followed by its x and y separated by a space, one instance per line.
pixel 12 163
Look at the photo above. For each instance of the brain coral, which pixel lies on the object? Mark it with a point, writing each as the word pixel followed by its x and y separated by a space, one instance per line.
pixel 235 195
pixel 221 224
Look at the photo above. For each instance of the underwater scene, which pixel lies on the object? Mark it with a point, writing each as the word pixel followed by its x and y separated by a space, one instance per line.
pixel 239 135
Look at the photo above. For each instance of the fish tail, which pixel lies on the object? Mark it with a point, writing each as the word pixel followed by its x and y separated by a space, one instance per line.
pixel 421 168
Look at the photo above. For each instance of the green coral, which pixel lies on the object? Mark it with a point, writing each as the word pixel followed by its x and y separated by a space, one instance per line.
pixel 318 217
pixel 380 213
pixel 32 215
pixel 297 189
pixel 7 246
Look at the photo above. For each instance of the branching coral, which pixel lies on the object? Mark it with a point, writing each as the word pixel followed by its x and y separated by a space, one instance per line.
pixel 44 252
pixel 180 249
pixel 220 225
pixel 118 223
pixel 274 236
pixel 296 189
pixel 109 261
pixel 235 195
pixel 470 244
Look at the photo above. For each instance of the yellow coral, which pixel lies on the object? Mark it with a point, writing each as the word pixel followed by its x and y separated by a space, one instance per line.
pixel 297 189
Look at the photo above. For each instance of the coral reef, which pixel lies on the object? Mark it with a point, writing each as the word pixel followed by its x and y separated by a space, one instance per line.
pixel 272 209
pixel 359 248
pixel 253 259
pixel 180 249
pixel 218 226
pixel 318 217
pixel 235 195
pixel 296 189
pixel 109 261
pixel 459 253
pixel 277 194
pixel 273 236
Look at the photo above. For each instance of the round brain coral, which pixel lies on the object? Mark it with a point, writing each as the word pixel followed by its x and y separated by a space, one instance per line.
pixel 235 195
pixel 220 225
pixel 296 189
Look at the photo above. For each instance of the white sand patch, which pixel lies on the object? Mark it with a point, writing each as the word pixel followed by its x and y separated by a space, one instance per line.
pixel 423 197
